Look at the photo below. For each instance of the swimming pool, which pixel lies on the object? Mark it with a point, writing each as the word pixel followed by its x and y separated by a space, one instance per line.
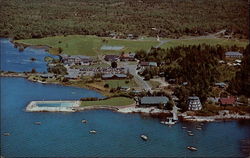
pixel 56 104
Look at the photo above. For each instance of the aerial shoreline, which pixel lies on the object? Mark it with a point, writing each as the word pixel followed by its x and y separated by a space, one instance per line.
pixel 132 108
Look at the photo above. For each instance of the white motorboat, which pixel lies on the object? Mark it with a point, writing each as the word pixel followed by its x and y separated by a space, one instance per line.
pixel 92 132
pixel 84 121
pixel 192 148
pixel 38 123
pixel 144 137
pixel 6 134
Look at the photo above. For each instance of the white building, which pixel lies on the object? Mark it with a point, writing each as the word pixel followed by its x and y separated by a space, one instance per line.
pixel 194 103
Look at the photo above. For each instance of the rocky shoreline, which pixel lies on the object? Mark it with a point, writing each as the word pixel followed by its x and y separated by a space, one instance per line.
pixel 133 109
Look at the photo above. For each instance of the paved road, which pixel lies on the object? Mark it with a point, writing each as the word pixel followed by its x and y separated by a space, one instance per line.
pixel 138 79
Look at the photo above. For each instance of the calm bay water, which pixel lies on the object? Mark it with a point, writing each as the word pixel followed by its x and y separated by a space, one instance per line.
pixel 14 60
pixel 63 134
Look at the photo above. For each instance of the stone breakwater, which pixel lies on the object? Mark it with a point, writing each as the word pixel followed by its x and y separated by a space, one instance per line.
pixel 33 106
pixel 148 110
pixel 219 117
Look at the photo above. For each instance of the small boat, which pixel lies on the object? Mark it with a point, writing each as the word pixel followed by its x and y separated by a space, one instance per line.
pixel 6 134
pixel 192 148
pixel 144 137
pixel 92 132
pixel 183 127
pixel 190 134
pixel 37 123
pixel 84 121
pixel 169 122
pixel 189 131
pixel 199 128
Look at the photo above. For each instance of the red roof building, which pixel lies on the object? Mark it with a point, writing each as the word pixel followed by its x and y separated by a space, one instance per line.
pixel 231 100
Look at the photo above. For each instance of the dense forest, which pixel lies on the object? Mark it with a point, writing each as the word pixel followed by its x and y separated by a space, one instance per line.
pixel 241 83
pixel 166 18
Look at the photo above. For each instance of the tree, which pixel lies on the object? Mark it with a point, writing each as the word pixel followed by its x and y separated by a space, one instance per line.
pixel 114 64
pixel 60 50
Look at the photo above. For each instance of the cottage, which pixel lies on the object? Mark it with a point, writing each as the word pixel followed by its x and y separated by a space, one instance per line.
pixel 220 84
pixel 231 100
pixel 233 55
pixel 148 64
pixel 130 36
pixel 114 76
pixel 48 75
pixel 111 58
pixel 127 57
pixel 75 60
pixel 124 88
pixel 194 103
pixel 153 101
pixel 213 99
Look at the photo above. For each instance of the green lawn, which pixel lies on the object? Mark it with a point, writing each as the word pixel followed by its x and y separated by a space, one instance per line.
pixel 88 45
pixel 212 42
pixel 121 83
pixel 116 101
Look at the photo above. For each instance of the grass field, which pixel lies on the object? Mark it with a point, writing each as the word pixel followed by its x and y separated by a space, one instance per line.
pixel 116 101
pixel 213 42
pixel 88 45
pixel 120 83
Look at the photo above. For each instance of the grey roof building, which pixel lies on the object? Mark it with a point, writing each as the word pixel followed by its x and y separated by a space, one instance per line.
pixel 153 100
pixel 234 55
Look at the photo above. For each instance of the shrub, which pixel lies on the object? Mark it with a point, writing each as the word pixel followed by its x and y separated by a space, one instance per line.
pixel 89 99
pixel 106 85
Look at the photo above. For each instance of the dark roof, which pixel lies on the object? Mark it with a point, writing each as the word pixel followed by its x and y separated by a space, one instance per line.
pixel 154 100
pixel 228 101
pixel 111 57
pixel 144 63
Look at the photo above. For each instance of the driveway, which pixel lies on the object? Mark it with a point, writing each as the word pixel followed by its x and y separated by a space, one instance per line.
pixel 138 79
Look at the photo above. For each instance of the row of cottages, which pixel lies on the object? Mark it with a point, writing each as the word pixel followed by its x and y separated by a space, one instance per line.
pixel 122 57
pixel 75 60
pixel 153 101
pixel 114 76
pixel 224 101
pixel 237 55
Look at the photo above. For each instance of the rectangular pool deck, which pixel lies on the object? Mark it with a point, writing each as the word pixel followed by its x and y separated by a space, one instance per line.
pixel 53 106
